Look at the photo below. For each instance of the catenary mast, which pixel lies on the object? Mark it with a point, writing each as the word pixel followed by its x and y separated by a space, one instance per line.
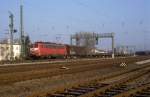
pixel 22 31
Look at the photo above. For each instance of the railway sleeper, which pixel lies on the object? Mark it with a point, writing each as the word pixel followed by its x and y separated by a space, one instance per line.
pixel 115 90
pixel 87 88
pixel 141 95
pixel 65 94
pixel 56 95
pixel 109 93
pixel 138 91
pixel 145 93
pixel 120 89
pixel 72 94
pixel 79 90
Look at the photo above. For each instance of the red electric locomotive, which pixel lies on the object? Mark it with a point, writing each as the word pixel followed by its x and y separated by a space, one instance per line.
pixel 49 50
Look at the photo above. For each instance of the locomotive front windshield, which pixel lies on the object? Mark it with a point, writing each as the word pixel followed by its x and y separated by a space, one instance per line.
pixel 34 45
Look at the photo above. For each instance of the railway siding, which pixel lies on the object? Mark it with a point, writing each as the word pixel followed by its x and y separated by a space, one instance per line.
pixel 101 88
pixel 139 91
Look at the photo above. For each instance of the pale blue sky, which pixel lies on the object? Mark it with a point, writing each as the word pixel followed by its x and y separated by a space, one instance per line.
pixel 47 19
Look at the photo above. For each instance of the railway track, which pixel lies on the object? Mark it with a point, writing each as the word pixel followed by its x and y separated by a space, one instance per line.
pixel 142 93
pixel 41 79
pixel 13 74
pixel 116 88
pixel 121 89
pixel 140 88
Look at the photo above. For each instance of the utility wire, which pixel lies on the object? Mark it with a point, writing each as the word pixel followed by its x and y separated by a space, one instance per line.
pixel 95 11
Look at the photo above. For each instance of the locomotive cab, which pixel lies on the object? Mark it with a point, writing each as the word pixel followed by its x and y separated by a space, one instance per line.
pixel 34 50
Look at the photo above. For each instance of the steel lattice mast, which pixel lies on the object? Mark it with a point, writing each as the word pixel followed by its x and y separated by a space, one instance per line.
pixel 11 26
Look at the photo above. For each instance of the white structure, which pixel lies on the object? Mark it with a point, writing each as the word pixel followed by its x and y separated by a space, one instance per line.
pixel 16 51
pixel 5 51
pixel 126 50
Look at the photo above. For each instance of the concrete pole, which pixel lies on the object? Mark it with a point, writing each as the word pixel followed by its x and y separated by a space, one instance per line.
pixel 21 32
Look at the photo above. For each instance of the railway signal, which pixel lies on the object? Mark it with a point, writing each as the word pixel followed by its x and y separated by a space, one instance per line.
pixel 11 27
pixel 12 30
pixel 89 40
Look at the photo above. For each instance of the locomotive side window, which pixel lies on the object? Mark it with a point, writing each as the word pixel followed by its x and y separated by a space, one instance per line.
pixel 42 46
pixel 54 46
pixel 46 46
pixel 36 45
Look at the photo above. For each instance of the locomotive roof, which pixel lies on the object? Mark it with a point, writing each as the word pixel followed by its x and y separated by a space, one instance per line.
pixel 50 43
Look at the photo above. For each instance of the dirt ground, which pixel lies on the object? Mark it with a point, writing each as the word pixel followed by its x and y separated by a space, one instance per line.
pixel 25 80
